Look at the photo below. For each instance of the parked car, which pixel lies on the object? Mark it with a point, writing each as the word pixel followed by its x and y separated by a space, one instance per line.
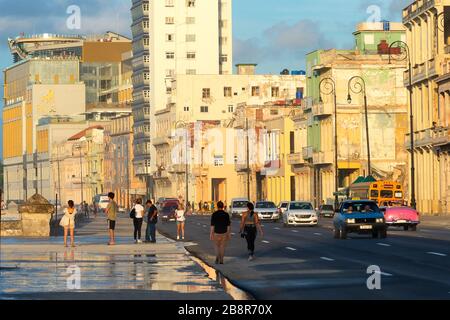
pixel 282 207
pixel 267 210
pixel 362 217
pixel 326 210
pixel 161 201
pixel 238 207
pixel 101 201
pixel 405 217
pixel 300 214
pixel 168 211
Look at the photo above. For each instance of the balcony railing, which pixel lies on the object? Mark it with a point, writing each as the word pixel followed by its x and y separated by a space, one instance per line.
pixel 308 153
pixel 177 168
pixel 200 171
pixel 323 157
pixel 429 137
pixel 160 141
pixel 322 110
pixel 295 158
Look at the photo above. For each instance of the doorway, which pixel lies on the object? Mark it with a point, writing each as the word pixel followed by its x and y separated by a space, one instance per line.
pixel 219 190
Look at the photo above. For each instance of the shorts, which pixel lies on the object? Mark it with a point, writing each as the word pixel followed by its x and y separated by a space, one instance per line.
pixel 220 237
pixel 112 225
pixel 180 222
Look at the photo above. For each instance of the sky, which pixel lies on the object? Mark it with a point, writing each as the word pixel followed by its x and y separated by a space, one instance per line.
pixel 275 34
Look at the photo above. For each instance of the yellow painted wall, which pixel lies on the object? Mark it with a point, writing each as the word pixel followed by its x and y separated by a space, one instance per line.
pixel 42 141
pixel 29 128
pixel 12 132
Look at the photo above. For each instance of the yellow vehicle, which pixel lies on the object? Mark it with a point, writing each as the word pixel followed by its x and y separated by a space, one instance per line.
pixel 380 191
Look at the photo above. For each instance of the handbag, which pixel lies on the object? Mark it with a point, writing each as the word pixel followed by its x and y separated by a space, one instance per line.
pixel 64 222
pixel 244 234
pixel 133 214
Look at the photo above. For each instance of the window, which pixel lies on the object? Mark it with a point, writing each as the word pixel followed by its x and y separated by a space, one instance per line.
pixel 191 71
pixel 146 93
pixel 223 23
pixel 147 76
pixel 223 41
pixel 169 3
pixel 146 24
pixel 170 20
pixel 204 109
pixel 190 55
pixel 255 91
pixel 275 92
pixel 190 20
pixel 190 3
pixel 146 42
pixel 146 59
pixel 170 37
pixel 168 90
pixel 145 6
pixel 170 73
pixel 230 109
pixel 223 58
pixel 170 55
pixel 227 92
pixel 190 38
pixel 186 109
pixel 206 93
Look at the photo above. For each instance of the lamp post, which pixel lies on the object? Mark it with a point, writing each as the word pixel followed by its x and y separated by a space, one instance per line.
pixel 78 147
pixel 404 54
pixel 328 87
pixel 357 85
pixel 184 125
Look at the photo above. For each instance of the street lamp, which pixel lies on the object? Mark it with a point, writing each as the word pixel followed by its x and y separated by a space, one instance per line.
pixel 78 147
pixel 184 125
pixel 440 22
pixel 328 87
pixel 357 85
pixel 404 54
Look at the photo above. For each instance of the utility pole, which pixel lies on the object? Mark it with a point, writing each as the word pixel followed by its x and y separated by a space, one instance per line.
pixel 248 161
pixel 128 177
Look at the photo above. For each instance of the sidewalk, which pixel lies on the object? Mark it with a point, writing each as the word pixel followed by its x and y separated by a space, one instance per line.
pixel 38 268
pixel 436 221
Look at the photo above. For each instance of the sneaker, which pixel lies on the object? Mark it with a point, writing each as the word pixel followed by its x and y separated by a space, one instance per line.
pixel 178 237
pixel 183 238
pixel 217 260
pixel 250 258
pixel 139 241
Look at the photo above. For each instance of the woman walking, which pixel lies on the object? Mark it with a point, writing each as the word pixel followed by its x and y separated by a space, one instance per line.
pixel 181 221
pixel 68 223
pixel 138 220
pixel 250 225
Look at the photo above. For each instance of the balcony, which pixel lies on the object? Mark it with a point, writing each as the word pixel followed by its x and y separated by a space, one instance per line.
pixel 240 167
pixel 158 141
pixel 418 72
pixel 323 158
pixel 295 159
pixel 308 103
pixel 200 171
pixel 322 110
pixel 177 168
pixel 161 174
pixel 431 66
pixel 308 153
pixel 429 138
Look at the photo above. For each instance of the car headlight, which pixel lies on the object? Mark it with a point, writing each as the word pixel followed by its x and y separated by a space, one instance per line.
pixel 350 221
pixel 380 220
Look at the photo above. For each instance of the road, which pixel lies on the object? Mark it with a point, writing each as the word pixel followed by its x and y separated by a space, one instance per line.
pixel 308 263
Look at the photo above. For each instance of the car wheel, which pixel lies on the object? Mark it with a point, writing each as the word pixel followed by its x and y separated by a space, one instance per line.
pixel 405 228
pixel 343 233
pixel 336 233
pixel 382 233
pixel 414 227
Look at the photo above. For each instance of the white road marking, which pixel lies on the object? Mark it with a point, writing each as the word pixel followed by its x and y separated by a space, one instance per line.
pixel 233 234
pixel 326 259
pixel 384 273
pixel 383 244
pixel 426 231
pixel 294 231
pixel 292 249
pixel 265 241
pixel 317 234
pixel 437 254
pixel 276 228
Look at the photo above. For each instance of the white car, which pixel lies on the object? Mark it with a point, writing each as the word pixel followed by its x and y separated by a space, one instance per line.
pixel 238 207
pixel 300 214
pixel 267 210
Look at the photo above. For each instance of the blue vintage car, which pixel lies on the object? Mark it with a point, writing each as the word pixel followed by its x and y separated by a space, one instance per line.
pixel 362 217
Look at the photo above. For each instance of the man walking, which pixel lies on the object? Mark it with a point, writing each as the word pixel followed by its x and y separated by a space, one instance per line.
pixel 220 231
pixel 150 234
pixel 111 213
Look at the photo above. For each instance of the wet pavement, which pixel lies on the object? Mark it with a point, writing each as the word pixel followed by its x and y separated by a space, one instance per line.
pixel 44 269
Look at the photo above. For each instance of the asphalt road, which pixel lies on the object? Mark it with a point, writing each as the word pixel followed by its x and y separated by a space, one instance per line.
pixel 308 263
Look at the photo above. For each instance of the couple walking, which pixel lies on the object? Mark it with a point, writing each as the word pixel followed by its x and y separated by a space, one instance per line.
pixel 138 214
pixel 221 230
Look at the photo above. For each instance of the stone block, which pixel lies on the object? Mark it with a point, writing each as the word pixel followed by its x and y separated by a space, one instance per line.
pixel 36 215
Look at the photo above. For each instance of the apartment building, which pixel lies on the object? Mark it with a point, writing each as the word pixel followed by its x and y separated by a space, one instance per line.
pixel 428 37
pixel 173 37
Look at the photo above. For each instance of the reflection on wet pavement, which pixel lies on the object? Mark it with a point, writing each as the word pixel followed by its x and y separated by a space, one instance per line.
pixel 49 273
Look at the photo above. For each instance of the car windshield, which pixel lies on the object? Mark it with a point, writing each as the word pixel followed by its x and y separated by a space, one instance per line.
pixel 360 207
pixel 169 208
pixel 300 206
pixel 284 205
pixel 240 204
pixel 265 205
pixel 327 208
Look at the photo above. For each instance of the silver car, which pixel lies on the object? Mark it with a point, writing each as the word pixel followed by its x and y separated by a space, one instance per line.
pixel 267 210
pixel 300 214
pixel 238 207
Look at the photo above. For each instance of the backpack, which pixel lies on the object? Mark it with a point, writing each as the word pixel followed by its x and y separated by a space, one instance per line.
pixel 133 214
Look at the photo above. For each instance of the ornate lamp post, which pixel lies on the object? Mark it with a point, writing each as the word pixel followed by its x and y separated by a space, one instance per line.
pixel 357 85
pixel 403 53
pixel 328 87
pixel 182 124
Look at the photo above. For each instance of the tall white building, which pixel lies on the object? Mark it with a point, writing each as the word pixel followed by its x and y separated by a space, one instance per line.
pixel 173 37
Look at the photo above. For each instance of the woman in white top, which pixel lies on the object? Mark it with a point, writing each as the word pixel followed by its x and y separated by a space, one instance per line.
pixel 138 220
pixel 181 220
pixel 68 223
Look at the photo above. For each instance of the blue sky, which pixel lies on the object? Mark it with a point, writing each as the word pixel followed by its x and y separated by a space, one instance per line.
pixel 276 34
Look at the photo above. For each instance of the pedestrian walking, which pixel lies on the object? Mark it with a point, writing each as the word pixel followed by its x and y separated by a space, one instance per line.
pixel 111 214
pixel 200 207
pixel 181 221
pixel 152 220
pixel 138 220
pixel 250 225
pixel 212 206
pixel 68 223
pixel 86 209
pixel 220 231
